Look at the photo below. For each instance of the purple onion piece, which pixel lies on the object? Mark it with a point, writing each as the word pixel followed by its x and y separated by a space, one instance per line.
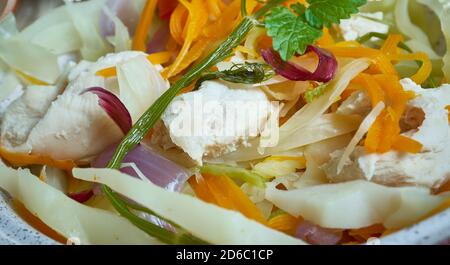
pixel 81 196
pixel 112 105
pixel 317 235
pixel 325 71
pixel 159 170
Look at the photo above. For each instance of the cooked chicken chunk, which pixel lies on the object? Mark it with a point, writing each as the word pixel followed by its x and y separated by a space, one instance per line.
pixel 426 121
pixel 72 125
pixel 215 119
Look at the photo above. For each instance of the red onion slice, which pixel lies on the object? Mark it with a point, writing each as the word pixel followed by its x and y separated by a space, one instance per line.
pixel 325 71
pixel 317 235
pixel 82 196
pixel 113 107
pixel 157 169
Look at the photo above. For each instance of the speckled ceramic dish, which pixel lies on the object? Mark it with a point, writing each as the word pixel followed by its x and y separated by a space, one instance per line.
pixel 435 230
pixel 14 231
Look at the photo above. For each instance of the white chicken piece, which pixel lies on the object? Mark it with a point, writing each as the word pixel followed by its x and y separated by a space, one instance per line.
pixel 426 121
pixel 72 125
pixel 362 23
pixel 215 119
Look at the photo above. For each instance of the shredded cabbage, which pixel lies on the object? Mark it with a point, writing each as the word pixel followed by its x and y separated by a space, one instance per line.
pixel 279 167
pixel 8 27
pixel 442 10
pixel 85 17
pixel 362 130
pixel 65 215
pixel 21 55
pixel 189 212
pixel 140 85
pixel 356 204
pixel 324 127
pixel 121 39
pixel 312 111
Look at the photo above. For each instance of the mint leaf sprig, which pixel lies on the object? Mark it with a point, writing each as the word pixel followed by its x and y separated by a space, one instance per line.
pixel 292 31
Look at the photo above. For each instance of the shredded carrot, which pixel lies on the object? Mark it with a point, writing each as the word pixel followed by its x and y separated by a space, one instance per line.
pixel 159 57
pixel 19 159
pixel 390 46
pixel 194 54
pixel 198 16
pixel 223 26
pixel 31 79
pixel 425 70
pixel 384 134
pixel 140 37
pixel 222 191
pixel 178 23
pixel 405 144
pixel 374 90
pixel 326 39
pixel 107 72
pixel 214 8
pixel 284 223
pixel 380 61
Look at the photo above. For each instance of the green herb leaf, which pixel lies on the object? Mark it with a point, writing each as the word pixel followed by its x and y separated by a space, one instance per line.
pixel 247 73
pixel 290 33
pixel 327 12
pixel 293 32
pixel 298 8
pixel 312 94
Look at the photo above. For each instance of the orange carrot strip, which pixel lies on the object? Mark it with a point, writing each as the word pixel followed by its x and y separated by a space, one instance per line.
pixel 405 144
pixel 178 23
pixel 380 61
pixel 222 191
pixel 326 38
pixel 424 71
pixel 140 37
pixel 284 223
pixel 19 159
pixel 374 90
pixel 159 57
pixel 197 19
pixel 390 46
pixel 31 79
pixel 107 72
